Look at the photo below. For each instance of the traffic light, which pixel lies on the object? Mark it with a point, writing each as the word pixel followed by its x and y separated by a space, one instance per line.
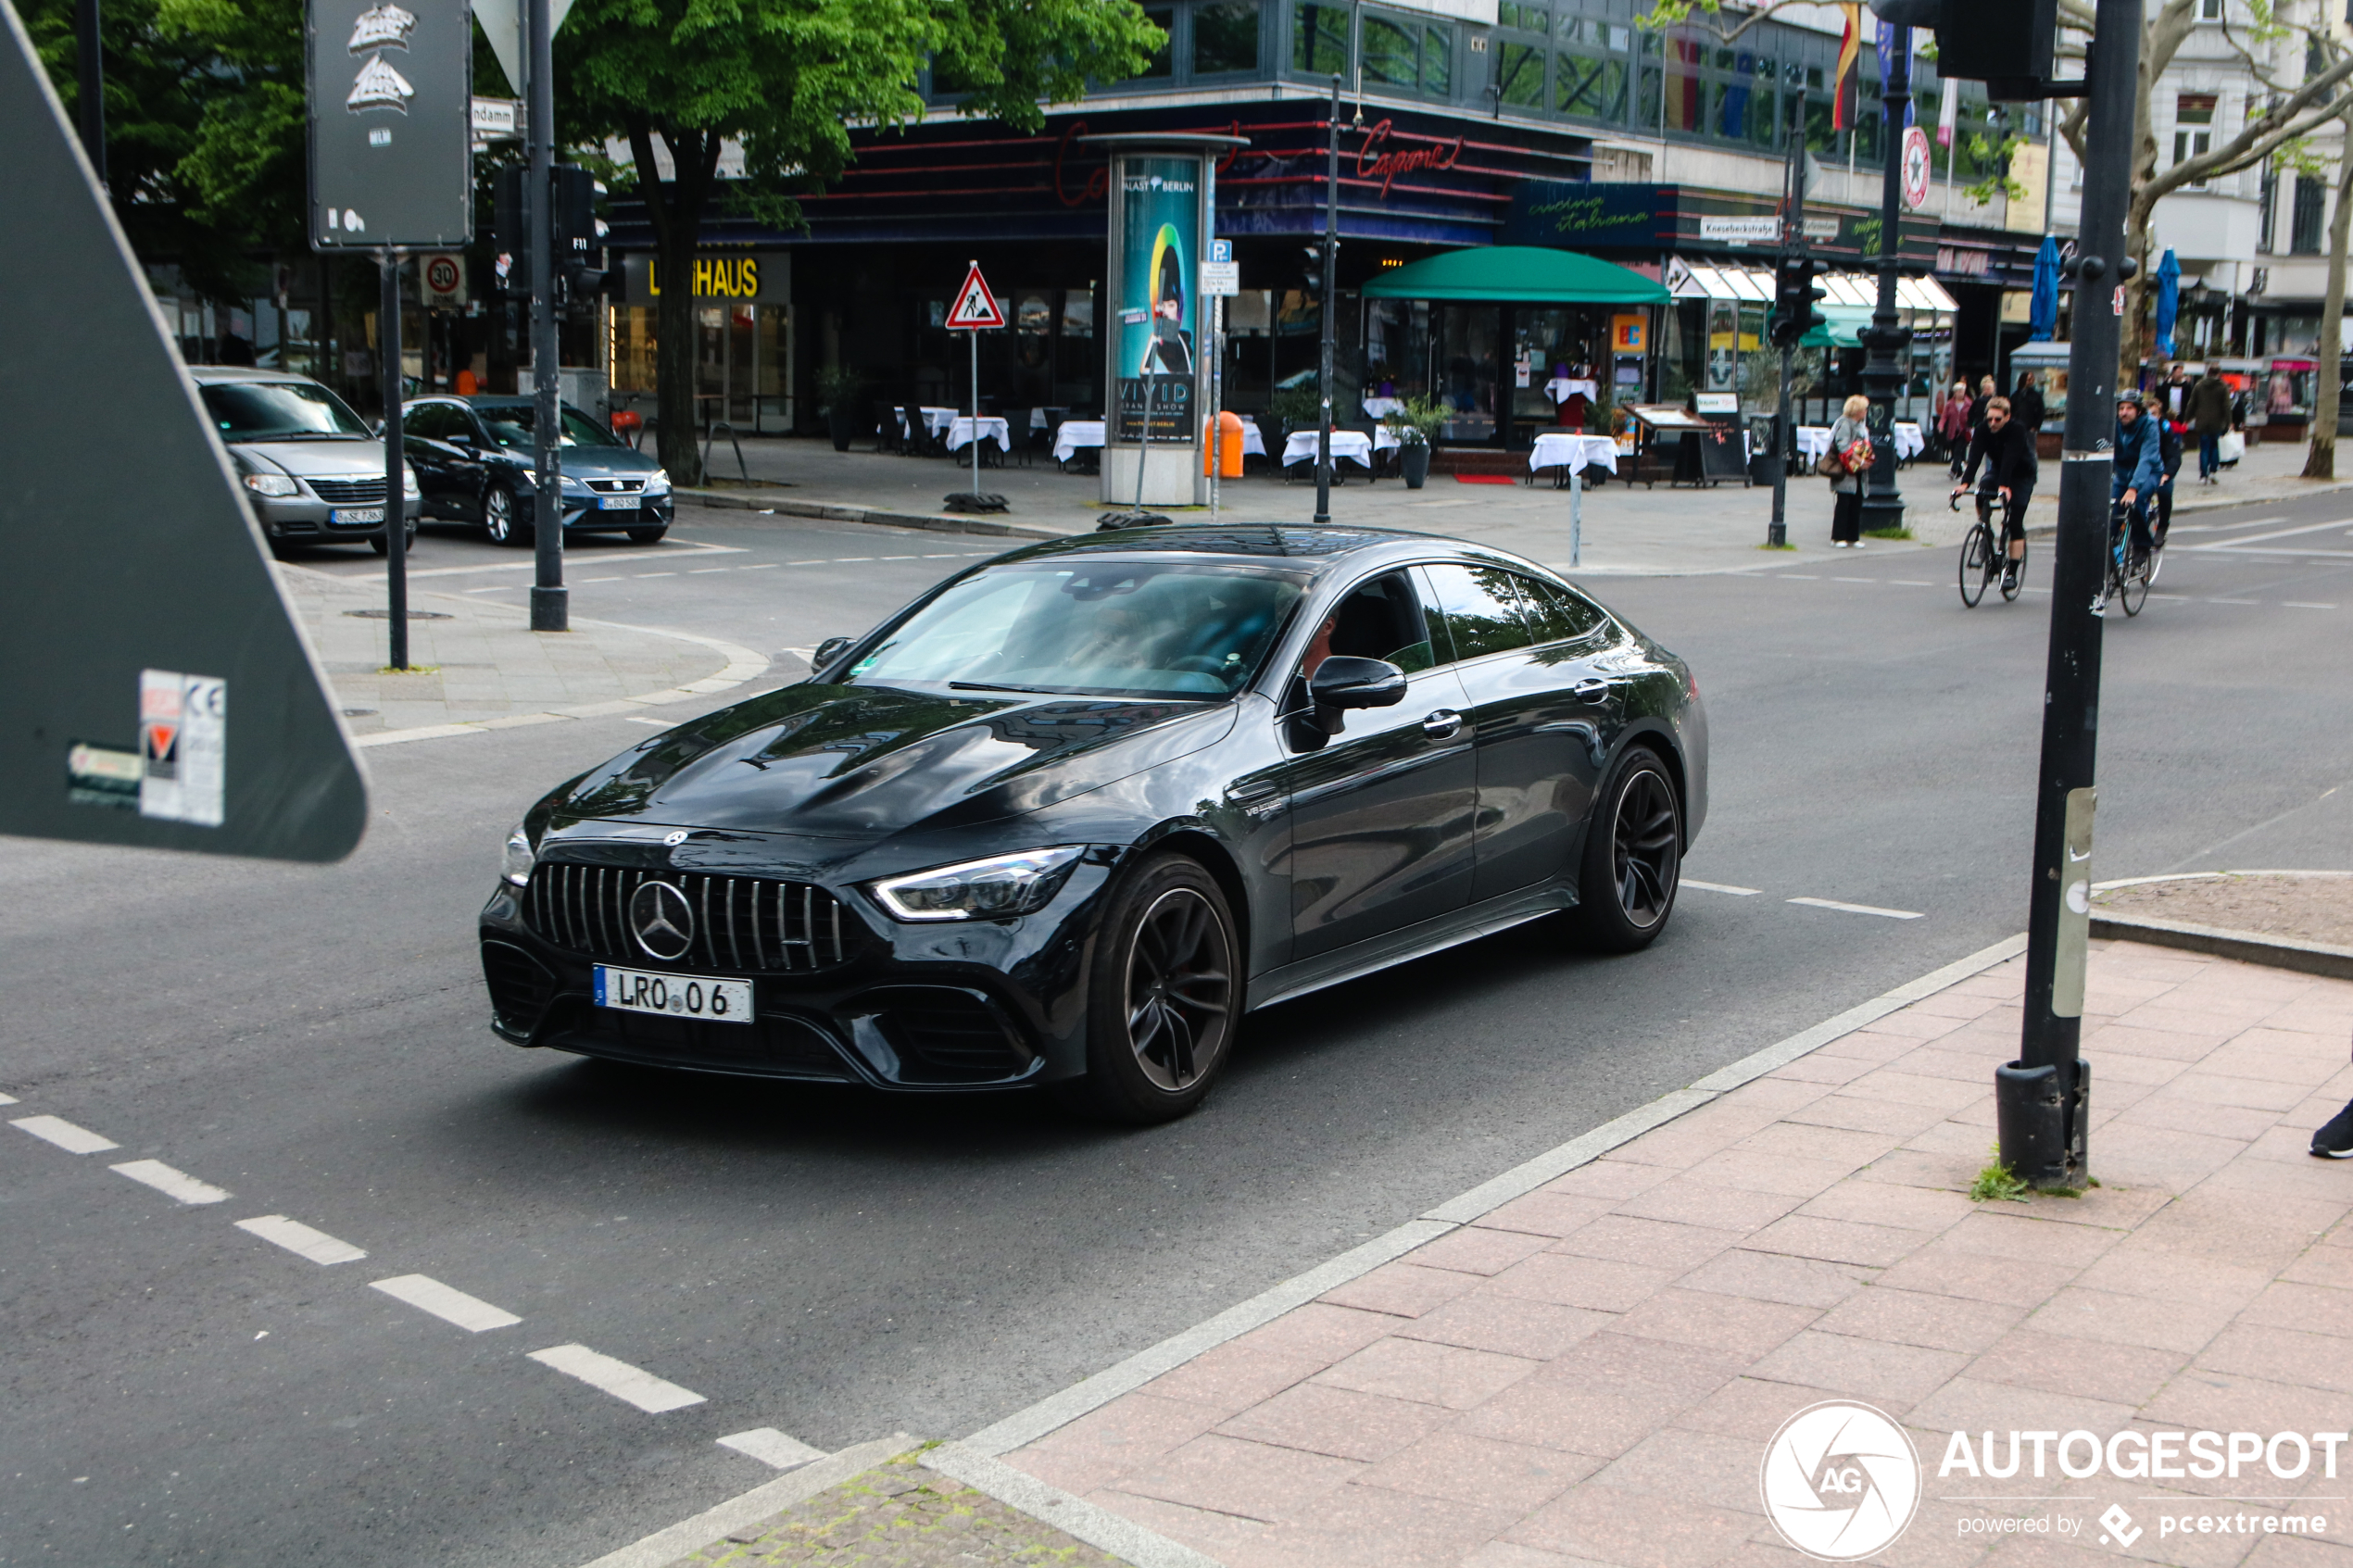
pixel 579 234
pixel 2007 44
pixel 1795 293
pixel 511 231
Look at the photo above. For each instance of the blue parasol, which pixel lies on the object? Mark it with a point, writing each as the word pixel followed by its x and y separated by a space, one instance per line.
pixel 2169 301
pixel 2043 310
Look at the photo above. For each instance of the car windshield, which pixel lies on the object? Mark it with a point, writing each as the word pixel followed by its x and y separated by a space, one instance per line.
pixel 1091 629
pixel 279 411
pixel 510 425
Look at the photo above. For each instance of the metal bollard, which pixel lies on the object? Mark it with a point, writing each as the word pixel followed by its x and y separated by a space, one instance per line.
pixel 2041 1122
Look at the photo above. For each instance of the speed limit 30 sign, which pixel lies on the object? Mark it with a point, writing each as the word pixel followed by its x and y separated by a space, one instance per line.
pixel 443 277
pixel 1915 167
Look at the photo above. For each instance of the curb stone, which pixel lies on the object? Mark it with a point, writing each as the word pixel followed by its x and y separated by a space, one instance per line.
pixel 832 511
pixel 2247 947
pixel 666 1547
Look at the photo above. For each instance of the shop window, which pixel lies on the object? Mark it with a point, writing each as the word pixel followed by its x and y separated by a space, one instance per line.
pixel 2311 202
pixel 1162 64
pixel 1225 37
pixel 1519 72
pixel 1589 88
pixel 1319 39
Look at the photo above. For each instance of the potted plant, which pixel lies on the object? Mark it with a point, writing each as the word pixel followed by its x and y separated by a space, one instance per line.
pixel 1415 426
pixel 838 389
pixel 1297 406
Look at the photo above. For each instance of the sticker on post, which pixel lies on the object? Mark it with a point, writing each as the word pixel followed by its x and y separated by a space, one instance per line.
pixel 183 747
pixel 102 775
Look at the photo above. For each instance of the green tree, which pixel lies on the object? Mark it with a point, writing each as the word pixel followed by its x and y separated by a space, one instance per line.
pixel 788 80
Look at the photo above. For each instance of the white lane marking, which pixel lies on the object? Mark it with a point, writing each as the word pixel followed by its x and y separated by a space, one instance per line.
pixel 8 1100
pixel 764 566
pixel 1719 886
pixel 670 551
pixel 771 1448
pixel 1860 908
pixel 500 588
pixel 1898 581
pixel 300 1239
pixel 2305 604
pixel 2235 601
pixel 429 1294
pixel 1799 576
pixel 599 579
pixel 643 575
pixel 845 560
pixel 168 1182
pixel 819 562
pixel 2226 527
pixel 944 555
pixel 64 1133
pixel 2281 533
pixel 906 558
pixel 619 1379
pixel 707 570
pixel 661 723
pixel 1834 579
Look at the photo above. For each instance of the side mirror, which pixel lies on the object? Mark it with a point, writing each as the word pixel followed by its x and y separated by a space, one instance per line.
pixel 828 651
pixel 1343 681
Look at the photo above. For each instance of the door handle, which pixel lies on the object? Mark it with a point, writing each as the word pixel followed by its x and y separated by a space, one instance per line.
pixel 1590 690
pixel 1443 724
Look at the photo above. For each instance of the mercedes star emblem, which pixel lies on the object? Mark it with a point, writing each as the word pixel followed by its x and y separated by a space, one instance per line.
pixel 675 838
pixel 661 920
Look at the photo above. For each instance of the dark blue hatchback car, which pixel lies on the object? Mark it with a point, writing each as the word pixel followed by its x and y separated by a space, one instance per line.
pixel 473 458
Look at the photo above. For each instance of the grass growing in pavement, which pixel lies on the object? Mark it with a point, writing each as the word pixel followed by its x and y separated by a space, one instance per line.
pixel 1889 534
pixel 1997 1182
pixel 1776 547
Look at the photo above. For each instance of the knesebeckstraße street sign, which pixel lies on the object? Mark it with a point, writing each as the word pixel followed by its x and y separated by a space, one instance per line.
pixel 976 308
pixel 160 693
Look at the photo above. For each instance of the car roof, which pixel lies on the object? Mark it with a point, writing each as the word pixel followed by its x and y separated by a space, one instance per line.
pixel 1319 549
pixel 211 374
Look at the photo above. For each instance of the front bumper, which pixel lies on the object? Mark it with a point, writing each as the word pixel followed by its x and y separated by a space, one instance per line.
pixel 582 517
pixel 915 1007
pixel 307 519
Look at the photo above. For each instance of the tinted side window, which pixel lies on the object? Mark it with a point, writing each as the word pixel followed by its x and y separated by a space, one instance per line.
pixel 1558 614
pixel 430 421
pixel 1481 607
pixel 1382 619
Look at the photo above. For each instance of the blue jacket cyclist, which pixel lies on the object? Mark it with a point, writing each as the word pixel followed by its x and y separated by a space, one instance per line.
pixel 2140 465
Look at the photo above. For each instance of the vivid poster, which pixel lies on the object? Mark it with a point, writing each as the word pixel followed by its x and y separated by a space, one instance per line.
pixel 1158 308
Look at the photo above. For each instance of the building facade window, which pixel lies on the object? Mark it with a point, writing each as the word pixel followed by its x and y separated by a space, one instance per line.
pixel 2193 135
pixel 1225 37
pixel 1319 39
pixel 1162 65
pixel 1403 55
pixel 2304 227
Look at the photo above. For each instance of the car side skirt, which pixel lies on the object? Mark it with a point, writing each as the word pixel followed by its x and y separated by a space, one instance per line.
pixel 1485 919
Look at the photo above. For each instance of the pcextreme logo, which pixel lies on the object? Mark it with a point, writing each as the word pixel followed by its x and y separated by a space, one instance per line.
pixel 1840 1481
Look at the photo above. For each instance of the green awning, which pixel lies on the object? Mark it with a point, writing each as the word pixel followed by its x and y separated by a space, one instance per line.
pixel 1536 274
pixel 1842 325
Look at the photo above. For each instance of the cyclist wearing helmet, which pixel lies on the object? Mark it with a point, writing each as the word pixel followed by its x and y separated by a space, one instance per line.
pixel 2139 466
pixel 2007 448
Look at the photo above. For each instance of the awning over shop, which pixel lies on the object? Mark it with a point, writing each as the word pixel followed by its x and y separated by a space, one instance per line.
pixel 1754 286
pixel 1535 275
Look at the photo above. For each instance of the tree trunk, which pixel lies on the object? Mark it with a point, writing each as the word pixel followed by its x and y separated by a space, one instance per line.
pixel 674 210
pixel 2320 457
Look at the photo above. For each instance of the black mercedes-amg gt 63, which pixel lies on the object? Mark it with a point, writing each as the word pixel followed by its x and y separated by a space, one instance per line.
pixel 1069 815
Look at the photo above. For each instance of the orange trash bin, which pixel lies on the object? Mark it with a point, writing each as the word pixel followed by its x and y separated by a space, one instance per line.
pixel 1228 450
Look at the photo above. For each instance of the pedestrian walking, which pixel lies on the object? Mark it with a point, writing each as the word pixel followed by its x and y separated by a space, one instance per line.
pixel 2209 414
pixel 2027 408
pixel 1953 425
pixel 1847 462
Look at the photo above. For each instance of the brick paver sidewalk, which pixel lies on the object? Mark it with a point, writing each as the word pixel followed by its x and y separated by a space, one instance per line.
pixel 1592 1373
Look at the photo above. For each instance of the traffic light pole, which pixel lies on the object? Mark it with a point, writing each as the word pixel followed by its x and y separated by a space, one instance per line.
pixel 2042 1099
pixel 549 606
pixel 1792 247
pixel 1886 339
pixel 396 469
pixel 1328 310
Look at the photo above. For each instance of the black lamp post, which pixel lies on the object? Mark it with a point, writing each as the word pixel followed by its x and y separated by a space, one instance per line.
pixel 1887 340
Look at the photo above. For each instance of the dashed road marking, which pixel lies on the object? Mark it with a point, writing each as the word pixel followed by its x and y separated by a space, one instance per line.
pixel 429 1294
pixel 2303 604
pixel 64 1133
pixel 2233 601
pixel 172 1184
pixel 300 1239
pixel 1798 576
pixel 707 570
pixel 1912 583
pixel 639 719
pixel 1873 579
pixel 1860 908
pixel 623 1381
pixel 764 566
pixel 805 563
pixel 1720 887
pixel 846 561
pixel 643 575
pixel 8 1100
pixel 771 1448
pixel 600 580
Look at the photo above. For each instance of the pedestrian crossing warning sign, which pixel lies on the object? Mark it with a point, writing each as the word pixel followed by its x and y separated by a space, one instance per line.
pixel 976 308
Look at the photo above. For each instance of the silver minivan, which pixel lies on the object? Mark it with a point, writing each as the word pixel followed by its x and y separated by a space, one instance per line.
pixel 313 469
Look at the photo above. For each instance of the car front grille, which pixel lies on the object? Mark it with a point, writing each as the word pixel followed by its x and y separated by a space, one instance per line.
pixel 742 924
pixel 349 492
pixel 616 486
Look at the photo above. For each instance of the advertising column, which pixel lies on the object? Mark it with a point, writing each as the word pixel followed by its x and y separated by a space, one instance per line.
pixel 1157 368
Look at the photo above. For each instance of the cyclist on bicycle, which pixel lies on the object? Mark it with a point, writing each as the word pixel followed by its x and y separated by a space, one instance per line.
pixel 2006 449
pixel 2139 468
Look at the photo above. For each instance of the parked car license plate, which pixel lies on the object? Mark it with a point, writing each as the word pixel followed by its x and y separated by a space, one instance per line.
pixel 354 517
pixel 618 503
pixel 674 995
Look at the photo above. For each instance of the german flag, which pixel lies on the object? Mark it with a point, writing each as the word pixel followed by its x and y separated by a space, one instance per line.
pixel 1848 81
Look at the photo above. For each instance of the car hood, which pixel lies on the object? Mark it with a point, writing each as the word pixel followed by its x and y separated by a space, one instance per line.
pixel 868 761
pixel 604 462
pixel 319 459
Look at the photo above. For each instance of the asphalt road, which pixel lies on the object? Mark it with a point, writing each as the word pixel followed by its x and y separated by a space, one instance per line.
pixel 839 1265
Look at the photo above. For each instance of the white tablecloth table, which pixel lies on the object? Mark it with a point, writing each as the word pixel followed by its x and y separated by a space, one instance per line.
pixel 1561 448
pixel 1253 440
pixel 1560 389
pixel 960 431
pixel 1352 444
pixel 1382 408
pixel 1909 442
pixel 1812 442
pixel 1074 435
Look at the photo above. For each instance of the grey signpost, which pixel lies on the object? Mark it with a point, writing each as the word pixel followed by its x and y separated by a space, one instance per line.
pixel 391 90
pixel 549 600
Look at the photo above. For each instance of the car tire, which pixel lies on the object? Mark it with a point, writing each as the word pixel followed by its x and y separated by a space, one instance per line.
pixel 647 535
pixel 498 521
pixel 1164 996
pixel 1633 856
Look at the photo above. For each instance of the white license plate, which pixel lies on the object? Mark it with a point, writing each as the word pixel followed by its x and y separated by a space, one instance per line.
pixel 674 995
pixel 618 503
pixel 353 517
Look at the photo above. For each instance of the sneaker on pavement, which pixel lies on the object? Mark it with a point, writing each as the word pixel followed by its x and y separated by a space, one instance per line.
pixel 2334 1140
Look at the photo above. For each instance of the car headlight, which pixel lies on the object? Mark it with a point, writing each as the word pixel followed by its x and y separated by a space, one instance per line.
pixel 409 482
pixel 998 886
pixel 269 484
pixel 658 485
pixel 519 858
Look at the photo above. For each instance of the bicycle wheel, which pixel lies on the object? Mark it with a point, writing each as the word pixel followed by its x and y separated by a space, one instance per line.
pixel 2016 583
pixel 2157 563
pixel 1977 566
pixel 2134 588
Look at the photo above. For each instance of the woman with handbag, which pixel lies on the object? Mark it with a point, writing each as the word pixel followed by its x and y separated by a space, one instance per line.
pixel 1843 463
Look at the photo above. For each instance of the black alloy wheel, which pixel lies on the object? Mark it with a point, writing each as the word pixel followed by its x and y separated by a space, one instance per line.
pixel 1633 856
pixel 498 515
pixel 1164 996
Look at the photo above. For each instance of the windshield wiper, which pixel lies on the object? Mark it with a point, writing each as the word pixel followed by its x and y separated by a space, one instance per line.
pixel 994 686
